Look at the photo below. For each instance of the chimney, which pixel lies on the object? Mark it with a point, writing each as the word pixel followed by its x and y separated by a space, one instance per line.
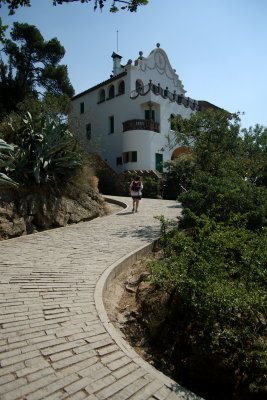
pixel 117 68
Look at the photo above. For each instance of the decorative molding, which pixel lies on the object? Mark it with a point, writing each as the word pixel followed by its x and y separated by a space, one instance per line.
pixel 158 60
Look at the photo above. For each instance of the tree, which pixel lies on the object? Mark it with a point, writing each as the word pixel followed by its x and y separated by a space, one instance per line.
pixel 213 267
pixel 130 5
pixel 255 152
pixel 229 171
pixel 32 68
pixel 214 136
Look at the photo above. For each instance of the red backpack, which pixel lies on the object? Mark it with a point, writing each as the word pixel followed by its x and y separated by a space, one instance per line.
pixel 136 186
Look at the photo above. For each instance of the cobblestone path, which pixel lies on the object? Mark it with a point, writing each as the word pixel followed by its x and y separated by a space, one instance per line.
pixel 53 343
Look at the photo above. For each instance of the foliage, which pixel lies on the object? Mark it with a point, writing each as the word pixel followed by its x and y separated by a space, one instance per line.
pixel 52 106
pixel 255 154
pixel 44 151
pixel 151 187
pixel 130 5
pixel 222 197
pixel 5 153
pixel 213 136
pixel 229 170
pixel 32 68
pixel 214 257
pixel 180 173
pixel 217 278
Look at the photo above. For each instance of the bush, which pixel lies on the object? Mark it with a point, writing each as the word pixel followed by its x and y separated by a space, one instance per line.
pixel 216 275
pixel 151 187
pixel 222 197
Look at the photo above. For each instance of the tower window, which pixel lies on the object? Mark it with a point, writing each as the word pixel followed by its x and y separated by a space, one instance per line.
pixel 82 108
pixel 121 89
pixel 111 124
pixel 111 92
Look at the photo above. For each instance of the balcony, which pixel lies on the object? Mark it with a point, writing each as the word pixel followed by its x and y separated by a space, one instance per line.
pixel 140 124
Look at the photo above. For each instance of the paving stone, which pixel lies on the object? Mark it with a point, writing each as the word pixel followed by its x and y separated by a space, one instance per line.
pixel 162 393
pixel 21 391
pixel 130 390
pixel 148 390
pixel 53 342
pixel 120 384
pixel 17 358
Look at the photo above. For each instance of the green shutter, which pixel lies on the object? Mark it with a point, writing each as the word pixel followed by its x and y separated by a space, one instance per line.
pixel 134 156
pixel 159 160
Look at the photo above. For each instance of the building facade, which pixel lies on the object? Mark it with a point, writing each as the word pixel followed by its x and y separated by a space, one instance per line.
pixel 126 119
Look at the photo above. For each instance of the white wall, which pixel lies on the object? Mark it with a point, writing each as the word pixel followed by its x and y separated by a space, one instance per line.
pixel 155 67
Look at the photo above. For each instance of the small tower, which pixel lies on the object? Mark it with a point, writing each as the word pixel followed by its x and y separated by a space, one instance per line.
pixel 117 68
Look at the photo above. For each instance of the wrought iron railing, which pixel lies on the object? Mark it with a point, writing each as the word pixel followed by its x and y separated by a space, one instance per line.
pixel 140 124
pixel 166 94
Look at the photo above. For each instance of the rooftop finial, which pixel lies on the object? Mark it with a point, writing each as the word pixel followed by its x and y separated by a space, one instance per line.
pixel 117 41
pixel 158 44
pixel 140 54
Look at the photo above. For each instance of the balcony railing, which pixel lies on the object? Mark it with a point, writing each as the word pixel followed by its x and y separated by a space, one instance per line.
pixel 140 124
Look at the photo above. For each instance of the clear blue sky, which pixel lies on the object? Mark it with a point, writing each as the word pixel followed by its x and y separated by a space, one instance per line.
pixel 218 47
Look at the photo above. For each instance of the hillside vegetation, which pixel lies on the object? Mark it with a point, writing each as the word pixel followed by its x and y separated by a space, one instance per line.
pixel 210 321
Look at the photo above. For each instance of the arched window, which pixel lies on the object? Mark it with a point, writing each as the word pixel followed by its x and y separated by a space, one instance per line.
pixel 102 95
pixel 121 88
pixel 111 92
pixel 139 86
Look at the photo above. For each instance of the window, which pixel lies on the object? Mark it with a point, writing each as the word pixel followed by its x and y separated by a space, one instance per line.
pixel 119 161
pixel 102 96
pixel 111 92
pixel 88 131
pixel 111 124
pixel 129 156
pixel 82 108
pixel 150 115
pixel 172 123
pixel 121 88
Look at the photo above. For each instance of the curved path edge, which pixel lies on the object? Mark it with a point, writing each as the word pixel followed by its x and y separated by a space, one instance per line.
pixel 104 281
pixel 56 341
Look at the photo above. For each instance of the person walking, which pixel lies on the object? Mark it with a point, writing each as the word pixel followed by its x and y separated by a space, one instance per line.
pixel 135 189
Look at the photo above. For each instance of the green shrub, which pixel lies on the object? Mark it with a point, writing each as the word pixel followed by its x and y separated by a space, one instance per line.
pixel 224 196
pixel 217 277
pixel 45 151
pixel 151 187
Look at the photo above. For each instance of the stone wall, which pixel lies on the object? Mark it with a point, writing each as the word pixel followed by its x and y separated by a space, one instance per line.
pixel 30 210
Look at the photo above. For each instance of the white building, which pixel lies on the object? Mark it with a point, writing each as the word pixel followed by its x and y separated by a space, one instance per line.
pixel 125 119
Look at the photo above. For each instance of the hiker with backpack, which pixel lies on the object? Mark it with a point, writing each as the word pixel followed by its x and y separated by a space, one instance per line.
pixel 136 192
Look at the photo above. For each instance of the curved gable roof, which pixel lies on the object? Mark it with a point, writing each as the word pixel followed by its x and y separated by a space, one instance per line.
pixel 158 60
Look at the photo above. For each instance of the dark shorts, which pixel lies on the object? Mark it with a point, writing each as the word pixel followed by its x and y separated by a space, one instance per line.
pixel 136 197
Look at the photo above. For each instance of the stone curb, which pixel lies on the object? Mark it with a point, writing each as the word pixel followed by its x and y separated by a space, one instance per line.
pixel 104 281
pixel 114 201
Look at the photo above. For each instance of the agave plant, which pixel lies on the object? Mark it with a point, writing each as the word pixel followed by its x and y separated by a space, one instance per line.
pixel 6 163
pixel 45 150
